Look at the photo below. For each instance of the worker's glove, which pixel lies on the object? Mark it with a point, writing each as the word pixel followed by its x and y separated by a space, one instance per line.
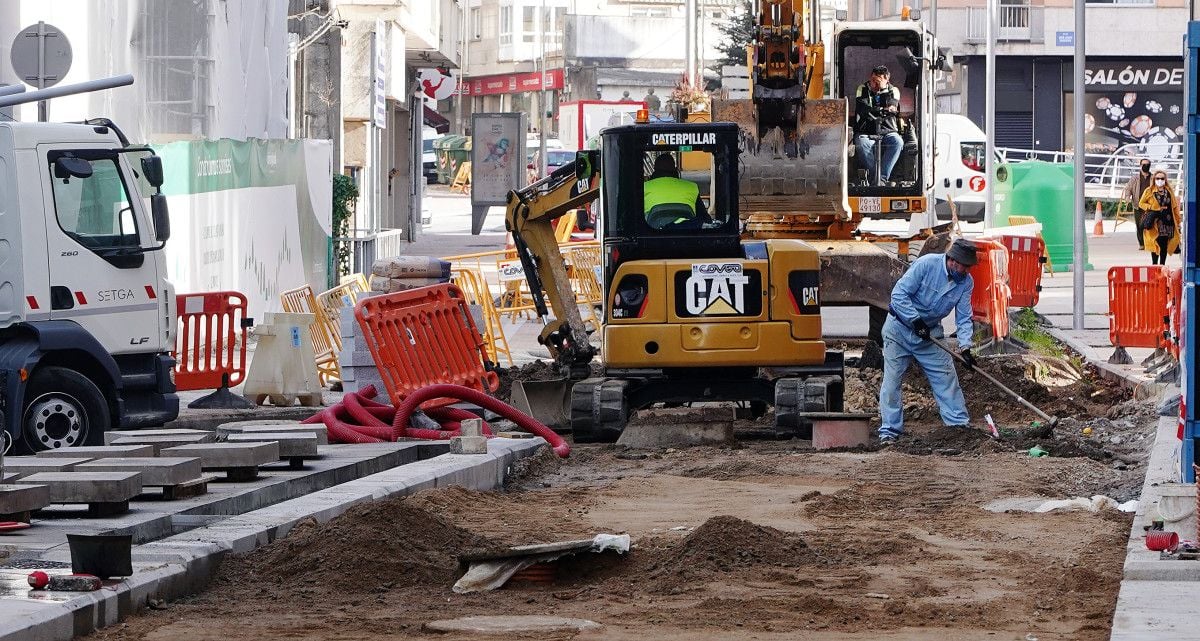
pixel 921 329
pixel 968 358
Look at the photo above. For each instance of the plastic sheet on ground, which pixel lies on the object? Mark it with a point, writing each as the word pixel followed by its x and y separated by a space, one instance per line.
pixel 491 573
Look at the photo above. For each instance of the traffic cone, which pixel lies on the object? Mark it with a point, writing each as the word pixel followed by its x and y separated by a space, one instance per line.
pixel 1098 226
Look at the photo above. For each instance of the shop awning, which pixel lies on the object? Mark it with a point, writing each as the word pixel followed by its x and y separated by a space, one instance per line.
pixel 435 120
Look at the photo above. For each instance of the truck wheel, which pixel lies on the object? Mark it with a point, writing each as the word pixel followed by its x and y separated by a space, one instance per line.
pixel 63 409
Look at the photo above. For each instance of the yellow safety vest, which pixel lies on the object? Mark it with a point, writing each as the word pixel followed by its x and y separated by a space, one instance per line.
pixel 667 190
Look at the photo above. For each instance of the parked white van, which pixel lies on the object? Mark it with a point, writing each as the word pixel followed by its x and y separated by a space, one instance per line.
pixel 960 166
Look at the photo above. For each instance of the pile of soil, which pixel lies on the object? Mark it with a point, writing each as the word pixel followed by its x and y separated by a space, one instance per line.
pixel 372 547
pixel 543 462
pixel 535 371
pixel 727 543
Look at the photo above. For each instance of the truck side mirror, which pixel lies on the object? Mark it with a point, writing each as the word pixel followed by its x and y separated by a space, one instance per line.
pixel 945 60
pixel 162 220
pixel 66 167
pixel 152 170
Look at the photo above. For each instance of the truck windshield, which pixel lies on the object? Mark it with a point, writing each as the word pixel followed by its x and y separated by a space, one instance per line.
pixel 96 211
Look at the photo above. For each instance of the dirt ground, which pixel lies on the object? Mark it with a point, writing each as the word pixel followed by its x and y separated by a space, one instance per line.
pixel 758 542
pixel 762 540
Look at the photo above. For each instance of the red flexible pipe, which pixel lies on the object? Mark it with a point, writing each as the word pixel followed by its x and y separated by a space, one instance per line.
pixel 401 428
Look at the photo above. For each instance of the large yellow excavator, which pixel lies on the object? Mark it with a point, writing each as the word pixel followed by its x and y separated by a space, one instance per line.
pixel 692 311
pixel 801 174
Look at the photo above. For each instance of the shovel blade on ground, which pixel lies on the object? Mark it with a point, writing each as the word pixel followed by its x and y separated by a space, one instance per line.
pixel 546 401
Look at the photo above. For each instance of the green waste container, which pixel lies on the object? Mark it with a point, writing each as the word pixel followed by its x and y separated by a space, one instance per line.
pixel 450 151
pixel 1046 191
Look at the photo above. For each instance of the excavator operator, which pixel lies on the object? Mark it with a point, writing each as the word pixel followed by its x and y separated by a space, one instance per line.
pixel 876 117
pixel 671 200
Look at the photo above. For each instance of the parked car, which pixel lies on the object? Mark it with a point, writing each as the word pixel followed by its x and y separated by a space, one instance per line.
pixel 428 158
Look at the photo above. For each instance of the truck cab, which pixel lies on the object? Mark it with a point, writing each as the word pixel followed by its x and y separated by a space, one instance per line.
pixel 909 53
pixel 87 317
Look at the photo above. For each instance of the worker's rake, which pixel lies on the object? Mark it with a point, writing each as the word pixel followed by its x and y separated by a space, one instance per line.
pixel 1050 421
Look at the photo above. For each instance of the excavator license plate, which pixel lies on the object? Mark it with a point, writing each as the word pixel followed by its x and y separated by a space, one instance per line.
pixel 869 205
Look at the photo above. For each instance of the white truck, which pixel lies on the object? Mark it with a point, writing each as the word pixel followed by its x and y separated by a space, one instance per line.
pixel 87 316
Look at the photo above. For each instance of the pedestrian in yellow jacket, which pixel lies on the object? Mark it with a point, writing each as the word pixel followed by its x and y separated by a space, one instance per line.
pixel 1160 227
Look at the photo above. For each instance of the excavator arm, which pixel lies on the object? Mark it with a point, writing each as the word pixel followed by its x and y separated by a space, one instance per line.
pixel 529 215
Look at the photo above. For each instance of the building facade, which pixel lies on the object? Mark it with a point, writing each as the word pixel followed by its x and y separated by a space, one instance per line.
pixel 1133 77
pixel 589 49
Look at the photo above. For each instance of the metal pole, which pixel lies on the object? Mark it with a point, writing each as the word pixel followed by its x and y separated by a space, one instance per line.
pixel 464 33
pixel 542 95
pixel 689 28
pixel 933 19
pixel 989 88
pixel 43 106
pixel 65 90
pixel 1077 265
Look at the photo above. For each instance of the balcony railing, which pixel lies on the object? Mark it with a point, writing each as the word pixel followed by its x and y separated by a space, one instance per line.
pixel 1019 23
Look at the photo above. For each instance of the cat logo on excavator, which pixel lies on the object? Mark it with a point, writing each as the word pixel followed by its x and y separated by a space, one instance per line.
pixel 716 289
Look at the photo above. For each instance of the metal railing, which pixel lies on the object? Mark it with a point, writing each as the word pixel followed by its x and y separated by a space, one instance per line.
pixel 1105 175
pixel 366 245
pixel 1014 22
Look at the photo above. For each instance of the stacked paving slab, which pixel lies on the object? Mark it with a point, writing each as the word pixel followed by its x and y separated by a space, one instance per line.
pixel 180 462
pixel 357 365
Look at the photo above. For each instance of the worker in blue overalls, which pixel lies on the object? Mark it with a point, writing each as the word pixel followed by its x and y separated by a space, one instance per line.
pixel 933 286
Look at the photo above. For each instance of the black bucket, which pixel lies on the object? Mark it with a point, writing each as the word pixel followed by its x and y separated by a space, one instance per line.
pixel 102 555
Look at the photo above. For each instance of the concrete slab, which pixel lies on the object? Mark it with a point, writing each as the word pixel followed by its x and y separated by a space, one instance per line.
pixel 1159 610
pixel 224 456
pixel 23 466
pixel 159 443
pixel 113 435
pixel 678 427
pixel 157 472
pixel 290 445
pixel 87 487
pixel 847 430
pixel 276 427
pixel 100 451
pixel 22 499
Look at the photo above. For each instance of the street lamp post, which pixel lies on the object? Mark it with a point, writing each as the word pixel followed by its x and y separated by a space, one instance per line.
pixel 1077 265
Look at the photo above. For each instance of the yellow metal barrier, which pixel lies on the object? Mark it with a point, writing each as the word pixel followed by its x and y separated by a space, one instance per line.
pixel 325 337
pixel 475 288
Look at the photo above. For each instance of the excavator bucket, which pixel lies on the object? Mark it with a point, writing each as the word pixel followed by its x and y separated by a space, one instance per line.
pixel 547 401
pixel 792 173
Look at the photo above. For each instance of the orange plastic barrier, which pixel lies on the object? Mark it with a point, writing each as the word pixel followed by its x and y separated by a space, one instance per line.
pixel 1026 262
pixel 1137 306
pixel 1174 310
pixel 425 336
pixel 989 299
pixel 211 343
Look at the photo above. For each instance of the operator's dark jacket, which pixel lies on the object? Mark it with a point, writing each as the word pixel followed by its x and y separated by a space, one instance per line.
pixel 870 110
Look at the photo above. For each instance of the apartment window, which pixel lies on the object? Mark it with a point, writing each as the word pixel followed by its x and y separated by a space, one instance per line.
pixel 716 14
pixel 877 8
pixel 476 23
pixel 506 25
pixel 650 12
pixel 1143 3
pixel 555 22
pixel 528 30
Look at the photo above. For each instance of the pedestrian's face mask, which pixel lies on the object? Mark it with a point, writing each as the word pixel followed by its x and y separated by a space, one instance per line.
pixel 957 270
pixel 1160 182
pixel 1146 168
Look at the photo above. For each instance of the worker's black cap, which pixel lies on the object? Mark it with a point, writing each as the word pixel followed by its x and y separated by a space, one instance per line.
pixel 881 70
pixel 963 251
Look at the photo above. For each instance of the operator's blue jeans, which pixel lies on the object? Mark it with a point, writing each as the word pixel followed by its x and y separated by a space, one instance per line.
pixel 891 144
pixel 900 348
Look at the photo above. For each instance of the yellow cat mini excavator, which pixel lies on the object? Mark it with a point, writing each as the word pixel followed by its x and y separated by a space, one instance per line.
pixel 691 311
